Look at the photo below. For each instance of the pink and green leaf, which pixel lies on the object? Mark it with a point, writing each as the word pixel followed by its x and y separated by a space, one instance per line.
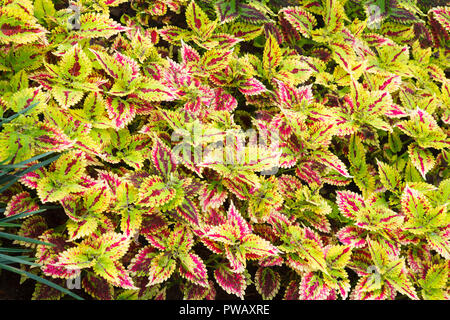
pixel 97 287
pixel 422 159
pixel 20 203
pixel 155 193
pixel 349 203
pixel 193 269
pixel 163 158
pixel 232 283
pixel 267 282
pixel 301 20
pixel 161 269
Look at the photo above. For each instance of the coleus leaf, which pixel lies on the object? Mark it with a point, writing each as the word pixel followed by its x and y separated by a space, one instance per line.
pixel 131 221
pixel 301 20
pixel 439 241
pixel 48 255
pixel 258 247
pixel 163 159
pixel 97 287
pixel 64 178
pixel 189 54
pixel 272 55
pixel 220 234
pixel 422 159
pixel 239 226
pixel 155 193
pixel 404 285
pixel 349 203
pixel 102 254
pixel 236 258
pixel 71 165
pixel 33 227
pixel 232 283
pixel 334 16
pixel 330 160
pixel 193 269
pixel 161 269
pixel 244 31
pixel 75 64
pixel 434 283
pixel 198 21
pixel 252 86
pixel 306 171
pixel 120 67
pixel 335 178
pixel 251 14
pixel 25 98
pixel 152 224
pixel 306 254
pixel 21 144
pixel 292 291
pixel 174 35
pixel 442 15
pixel 267 282
pixel 158 240
pixel 157 8
pixel 20 203
pixel 221 41
pixel 115 273
pixel 215 60
pixel 312 287
pixel 414 203
pixel 30 179
pixel 288 185
pixel 294 70
pixel 180 239
pixel 141 262
pixel 83 228
pixel 378 217
pixel 195 292
pixel 115 245
pixel 227 10
pixel 212 196
pixel 120 111
pixel 424 129
pixel 439 36
pixel 393 270
pixel 359 293
pixel 96 199
pixel 75 258
pixel 111 3
pixel 51 138
pixel 390 178
pixel 95 25
pixel 338 256
pixel 214 217
pixel 153 90
pixel 17 26
pixel 188 210
pixel 45 292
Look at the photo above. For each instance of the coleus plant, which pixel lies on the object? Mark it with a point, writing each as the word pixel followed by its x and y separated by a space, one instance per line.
pixel 289 149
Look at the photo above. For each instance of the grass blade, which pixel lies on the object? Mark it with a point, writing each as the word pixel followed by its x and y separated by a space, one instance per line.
pixel 25 239
pixel 41 280
pixel 6 120
pixel 14 250
pixel 21 215
pixel 21 173
pixel 17 260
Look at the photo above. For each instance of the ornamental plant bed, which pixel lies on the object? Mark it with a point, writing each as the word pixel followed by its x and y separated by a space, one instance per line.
pixel 225 149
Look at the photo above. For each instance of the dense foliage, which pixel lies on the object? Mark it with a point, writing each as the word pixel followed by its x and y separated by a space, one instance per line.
pixel 211 149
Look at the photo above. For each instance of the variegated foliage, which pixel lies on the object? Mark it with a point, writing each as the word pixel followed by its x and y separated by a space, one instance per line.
pixel 357 207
